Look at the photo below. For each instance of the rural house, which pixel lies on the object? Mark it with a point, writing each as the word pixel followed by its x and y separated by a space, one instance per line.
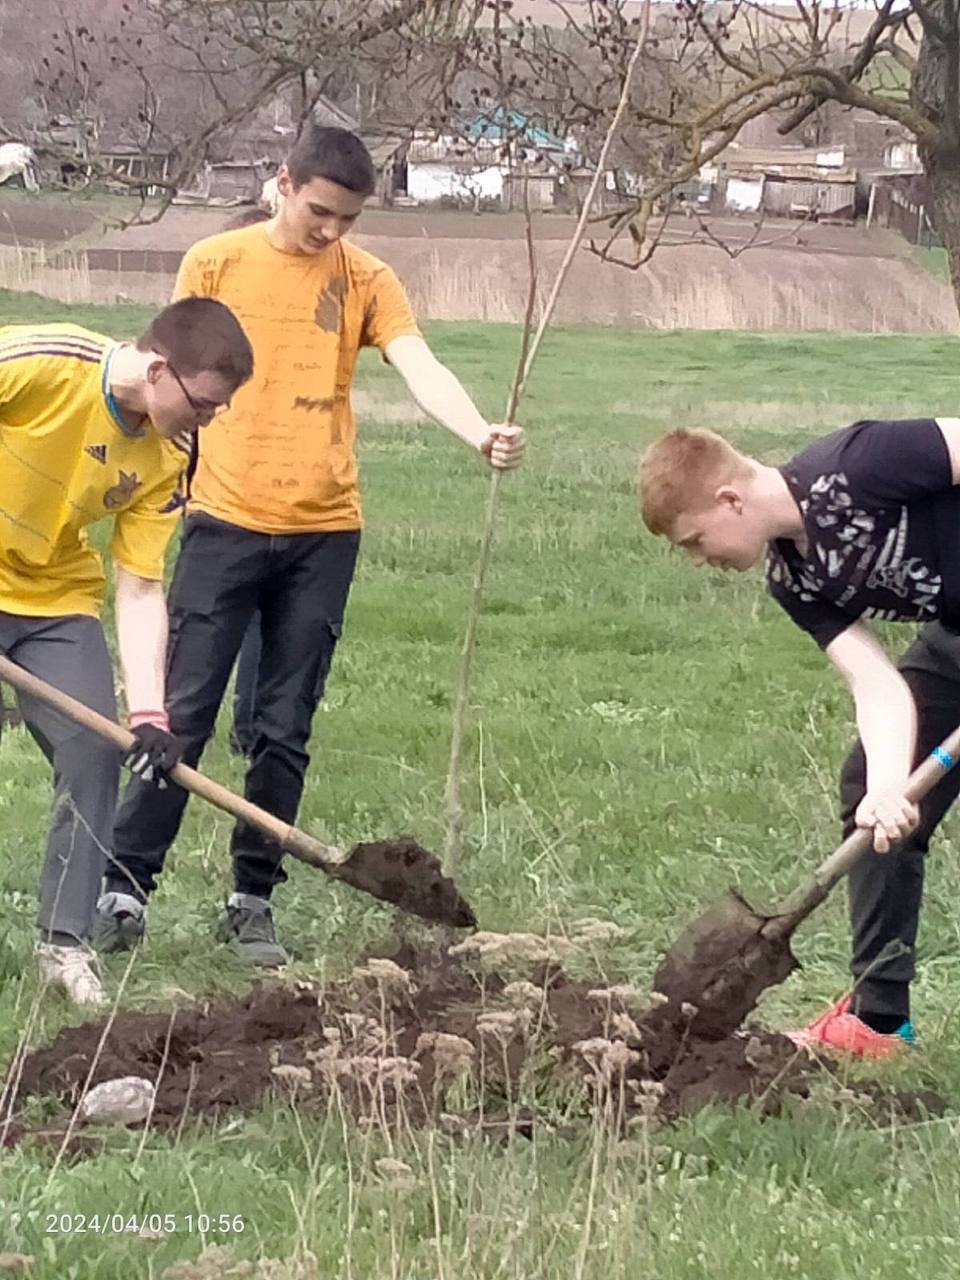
pixel 492 159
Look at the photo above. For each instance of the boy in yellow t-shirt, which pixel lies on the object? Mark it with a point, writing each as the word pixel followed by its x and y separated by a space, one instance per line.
pixel 91 428
pixel 273 525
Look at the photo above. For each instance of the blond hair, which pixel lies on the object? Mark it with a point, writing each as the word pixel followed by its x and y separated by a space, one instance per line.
pixel 681 471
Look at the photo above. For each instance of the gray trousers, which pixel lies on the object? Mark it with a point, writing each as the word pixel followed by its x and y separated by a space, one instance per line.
pixel 886 889
pixel 71 654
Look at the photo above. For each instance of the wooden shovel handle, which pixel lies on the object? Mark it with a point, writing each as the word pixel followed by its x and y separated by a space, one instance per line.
pixel 923 779
pixel 301 845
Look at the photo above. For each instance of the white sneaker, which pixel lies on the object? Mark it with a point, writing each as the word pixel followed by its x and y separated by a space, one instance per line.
pixel 70 968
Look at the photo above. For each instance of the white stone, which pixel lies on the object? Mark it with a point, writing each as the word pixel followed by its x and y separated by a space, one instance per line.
pixel 127 1100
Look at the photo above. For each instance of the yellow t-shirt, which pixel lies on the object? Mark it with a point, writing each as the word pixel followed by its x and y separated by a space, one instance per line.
pixel 282 459
pixel 66 461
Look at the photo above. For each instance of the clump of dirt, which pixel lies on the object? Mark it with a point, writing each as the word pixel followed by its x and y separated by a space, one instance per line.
pixel 724 960
pixel 404 873
pixel 419 1034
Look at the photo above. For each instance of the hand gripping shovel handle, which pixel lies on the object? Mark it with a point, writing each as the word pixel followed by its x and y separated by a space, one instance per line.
pixel 923 779
pixel 295 842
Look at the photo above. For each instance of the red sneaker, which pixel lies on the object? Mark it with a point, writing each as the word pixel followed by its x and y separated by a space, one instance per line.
pixel 838 1028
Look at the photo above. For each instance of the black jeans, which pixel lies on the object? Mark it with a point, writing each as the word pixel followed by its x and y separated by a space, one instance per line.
pixel 885 889
pixel 299 584
pixel 243 733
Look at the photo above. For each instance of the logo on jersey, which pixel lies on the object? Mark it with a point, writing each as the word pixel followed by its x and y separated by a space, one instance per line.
pixel 97 451
pixel 176 503
pixel 122 491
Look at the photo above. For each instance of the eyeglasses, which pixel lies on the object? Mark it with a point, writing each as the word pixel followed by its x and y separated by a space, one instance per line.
pixel 205 410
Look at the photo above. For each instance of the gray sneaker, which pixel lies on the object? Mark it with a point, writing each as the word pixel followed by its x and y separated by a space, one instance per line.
pixel 247 927
pixel 120 922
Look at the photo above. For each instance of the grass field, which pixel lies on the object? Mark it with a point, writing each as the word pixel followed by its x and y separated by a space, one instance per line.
pixel 644 734
pixel 933 260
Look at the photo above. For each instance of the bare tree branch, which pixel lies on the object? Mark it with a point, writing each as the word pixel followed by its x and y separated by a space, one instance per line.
pixel 884 21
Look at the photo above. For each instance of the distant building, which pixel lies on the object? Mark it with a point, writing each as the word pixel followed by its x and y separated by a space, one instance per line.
pixel 240 162
pixel 497 157
pixel 794 182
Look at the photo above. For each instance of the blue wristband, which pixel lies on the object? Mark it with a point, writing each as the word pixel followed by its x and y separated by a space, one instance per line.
pixel 942 757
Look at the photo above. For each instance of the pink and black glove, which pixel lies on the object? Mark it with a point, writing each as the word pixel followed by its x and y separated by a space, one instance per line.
pixel 155 750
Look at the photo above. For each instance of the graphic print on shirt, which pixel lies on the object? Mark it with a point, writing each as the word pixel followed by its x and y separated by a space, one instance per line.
pixel 329 312
pixel 858 551
pixel 97 451
pixel 283 458
pixel 178 500
pixel 122 491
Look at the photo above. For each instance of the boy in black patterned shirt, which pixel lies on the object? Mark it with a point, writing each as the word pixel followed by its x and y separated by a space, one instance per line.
pixel 863 524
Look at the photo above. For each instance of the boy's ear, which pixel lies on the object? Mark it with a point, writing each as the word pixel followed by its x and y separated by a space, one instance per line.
pixel 155 368
pixel 284 181
pixel 728 496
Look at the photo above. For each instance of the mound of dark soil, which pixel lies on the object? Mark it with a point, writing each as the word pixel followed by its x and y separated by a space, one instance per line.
pixel 400 1032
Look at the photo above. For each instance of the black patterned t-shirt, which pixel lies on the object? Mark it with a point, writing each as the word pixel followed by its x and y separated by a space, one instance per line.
pixel 882 521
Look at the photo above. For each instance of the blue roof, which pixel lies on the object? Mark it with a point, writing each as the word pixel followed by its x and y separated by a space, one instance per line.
pixel 496 124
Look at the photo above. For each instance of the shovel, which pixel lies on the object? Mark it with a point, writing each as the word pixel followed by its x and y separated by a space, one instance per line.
pixel 395 871
pixel 730 954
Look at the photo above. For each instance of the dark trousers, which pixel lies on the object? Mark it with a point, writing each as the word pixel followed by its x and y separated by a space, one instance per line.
pixel 71 654
pixel 243 731
pixel 298 583
pixel 885 889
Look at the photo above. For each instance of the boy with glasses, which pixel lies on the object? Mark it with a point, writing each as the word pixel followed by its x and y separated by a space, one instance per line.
pixel 91 428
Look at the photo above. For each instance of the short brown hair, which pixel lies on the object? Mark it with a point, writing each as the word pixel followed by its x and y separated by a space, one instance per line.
pixel 201 335
pixel 335 154
pixel 681 471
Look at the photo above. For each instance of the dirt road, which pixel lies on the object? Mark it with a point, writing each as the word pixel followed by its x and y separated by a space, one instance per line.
pixel 93 225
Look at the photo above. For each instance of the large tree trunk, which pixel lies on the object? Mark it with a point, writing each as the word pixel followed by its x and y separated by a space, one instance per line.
pixel 935 92
pixel 943 172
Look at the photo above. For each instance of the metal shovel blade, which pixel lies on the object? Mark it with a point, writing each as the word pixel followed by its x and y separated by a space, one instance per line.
pixel 725 959
pixel 722 963
pixel 396 871
pixel 402 872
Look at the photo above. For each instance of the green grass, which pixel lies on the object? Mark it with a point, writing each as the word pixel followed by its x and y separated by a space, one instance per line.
pixel 886 77
pixel 934 260
pixel 643 734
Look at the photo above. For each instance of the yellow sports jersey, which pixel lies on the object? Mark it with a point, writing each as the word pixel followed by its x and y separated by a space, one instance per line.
pixel 66 461
pixel 281 459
